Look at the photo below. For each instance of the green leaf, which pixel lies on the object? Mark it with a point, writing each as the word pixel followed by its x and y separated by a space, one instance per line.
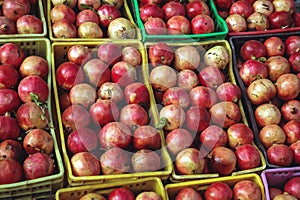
pixel 162 123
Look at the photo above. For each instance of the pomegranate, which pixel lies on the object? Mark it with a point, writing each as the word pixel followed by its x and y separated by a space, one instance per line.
pixel 29 115
pixel 110 53
pixel 92 195
pixel 38 140
pixel 295 148
pixel 155 26
pixel 7 26
pixel 70 3
pixel 186 57
pixel 280 20
pixel 239 134
pixel 294 60
pixel 197 118
pixel 247 156
pixel 188 192
pixel 145 160
pixel 44 168
pixel 9 101
pixel 292 131
pixel 85 164
pixel 75 117
pixel 11 50
pixel 104 111
pixel 96 72
pixel 9 76
pixel 280 154
pixel 173 8
pixel 178 139
pixel 64 29
pixel 78 54
pixel 150 194
pixel 273 191
pixel 243 8
pixel 189 161
pixel 34 65
pixel 290 110
pixel 162 77
pixel 287 86
pixel 121 193
pixel 267 113
pixel 286 6
pixel 91 4
pixel 123 73
pixel 62 12
pixel 252 70
pixel 222 160
pixel 228 91
pixel 150 11
pixel 253 49
pixel 173 117
pixel 217 56
pixel 194 8
pixel 134 115
pixel 10 171
pixel 146 137
pixel 107 13
pixel 211 76
pixel 178 25
pixel 274 46
pixel 263 6
pixel 225 113
pixel 203 96
pixel 81 140
pixel 68 74
pixel 277 66
pixel 176 95
pixel 14 9
pixel 272 134
pixel 115 134
pixel 86 16
pixel 261 91
pixel 132 55
pixel 236 23
pixel 115 161
pixel 258 22
pixel 218 191
pixel 284 197
pixel 83 94
pixel 292 186
pixel 292 44
pixel 187 79
pixel 213 136
pixel 202 24
pixel 121 28
pixel 89 30
pixel 12 149
pixel 111 91
pixel 160 54
pixel 246 189
pixel 29 24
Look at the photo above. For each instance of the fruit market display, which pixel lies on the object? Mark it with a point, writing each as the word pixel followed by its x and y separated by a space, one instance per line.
pixel 149 99
pixel 90 19
pixel 268 70
pixel 243 17
pixel 21 17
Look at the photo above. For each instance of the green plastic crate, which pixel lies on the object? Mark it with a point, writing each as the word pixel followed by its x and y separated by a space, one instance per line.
pixel 221 28
pixel 45 187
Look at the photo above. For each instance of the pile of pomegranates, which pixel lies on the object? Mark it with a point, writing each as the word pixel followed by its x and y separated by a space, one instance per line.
pixel 162 17
pixel 123 193
pixel 105 111
pixel 199 109
pixel 20 17
pixel 25 135
pixel 258 15
pixel 90 19
pixel 246 188
pixel 269 74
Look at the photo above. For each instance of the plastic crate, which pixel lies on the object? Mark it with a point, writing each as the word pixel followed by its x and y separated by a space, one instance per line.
pixel 277 178
pixel 59 51
pixel 44 187
pixel 229 77
pixel 270 31
pixel 125 12
pixel 200 185
pixel 236 42
pixel 39 13
pixel 136 185
pixel 220 32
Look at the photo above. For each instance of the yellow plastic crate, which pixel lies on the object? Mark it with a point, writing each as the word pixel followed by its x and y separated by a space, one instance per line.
pixel 39 13
pixel 44 187
pixel 136 185
pixel 59 50
pixel 200 185
pixel 125 12
pixel 229 76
